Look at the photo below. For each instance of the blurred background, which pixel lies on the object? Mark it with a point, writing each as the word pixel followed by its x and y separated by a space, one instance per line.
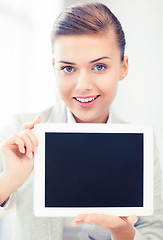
pixel 27 83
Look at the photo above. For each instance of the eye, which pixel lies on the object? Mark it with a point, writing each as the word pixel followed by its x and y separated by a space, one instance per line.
pixel 67 69
pixel 99 67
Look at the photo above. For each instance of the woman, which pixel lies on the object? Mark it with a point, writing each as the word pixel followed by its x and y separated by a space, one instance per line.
pixel 88 46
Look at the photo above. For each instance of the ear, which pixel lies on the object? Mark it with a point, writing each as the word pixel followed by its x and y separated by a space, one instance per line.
pixel 124 68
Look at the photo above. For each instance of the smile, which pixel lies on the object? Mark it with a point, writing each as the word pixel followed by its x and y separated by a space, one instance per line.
pixel 86 100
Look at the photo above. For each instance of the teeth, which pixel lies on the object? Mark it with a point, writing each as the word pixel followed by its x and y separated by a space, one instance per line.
pixel 86 99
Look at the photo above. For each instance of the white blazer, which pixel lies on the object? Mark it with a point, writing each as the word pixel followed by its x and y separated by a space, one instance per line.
pixel 28 227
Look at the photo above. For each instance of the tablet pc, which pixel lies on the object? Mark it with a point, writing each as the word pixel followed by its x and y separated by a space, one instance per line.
pixel 93 168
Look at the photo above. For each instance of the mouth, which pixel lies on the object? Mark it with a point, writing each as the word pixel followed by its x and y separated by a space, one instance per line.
pixel 86 102
pixel 86 99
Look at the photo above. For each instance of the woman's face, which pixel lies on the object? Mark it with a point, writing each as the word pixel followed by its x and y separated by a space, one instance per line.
pixel 88 69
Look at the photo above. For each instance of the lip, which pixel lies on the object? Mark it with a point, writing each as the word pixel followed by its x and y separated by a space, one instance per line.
pixel 86 104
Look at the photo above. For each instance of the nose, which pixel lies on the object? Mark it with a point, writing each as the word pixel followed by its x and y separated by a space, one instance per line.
pixel 84 81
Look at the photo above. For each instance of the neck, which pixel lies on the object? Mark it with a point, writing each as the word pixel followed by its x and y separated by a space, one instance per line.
pixel 103 119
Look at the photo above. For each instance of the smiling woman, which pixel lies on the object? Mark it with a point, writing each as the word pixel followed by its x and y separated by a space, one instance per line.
pixel 88 59
pixel 88 83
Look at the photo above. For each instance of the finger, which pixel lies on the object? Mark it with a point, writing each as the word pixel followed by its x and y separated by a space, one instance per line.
pixel 132 219
pixel 80 219
pixel 93 219
pixel 28 144
pixel 99 219
pixel 102 220
pixel 20 143
pixel 31 125
pixel 10 144
pixel 33 139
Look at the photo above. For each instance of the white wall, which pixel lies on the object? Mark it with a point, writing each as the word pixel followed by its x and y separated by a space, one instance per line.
pixel 26 75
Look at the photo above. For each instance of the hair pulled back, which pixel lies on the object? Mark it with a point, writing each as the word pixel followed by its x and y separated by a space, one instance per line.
pixel 88 18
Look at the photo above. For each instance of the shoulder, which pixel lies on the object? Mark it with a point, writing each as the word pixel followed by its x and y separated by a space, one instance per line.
pixel 56 113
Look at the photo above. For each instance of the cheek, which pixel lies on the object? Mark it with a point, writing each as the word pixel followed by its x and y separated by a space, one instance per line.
pixel 64 86
pixel 109 86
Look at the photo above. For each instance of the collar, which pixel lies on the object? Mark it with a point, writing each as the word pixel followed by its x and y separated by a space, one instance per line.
pixel 71 119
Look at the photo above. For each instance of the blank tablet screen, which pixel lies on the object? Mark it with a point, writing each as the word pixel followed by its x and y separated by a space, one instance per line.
pixel 93 169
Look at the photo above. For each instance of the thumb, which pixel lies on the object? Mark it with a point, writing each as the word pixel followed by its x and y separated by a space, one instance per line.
pixel 132 219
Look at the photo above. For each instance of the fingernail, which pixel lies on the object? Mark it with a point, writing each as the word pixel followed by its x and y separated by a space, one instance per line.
pixel 35 150
pixel 135 219
pixel 23 151
pixel 87 220
pixel 73 224
pixel 31 155
pixel 38 119
pixel 77 219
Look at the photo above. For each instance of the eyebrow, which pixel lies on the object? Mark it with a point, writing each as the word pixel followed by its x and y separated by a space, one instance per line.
pixel 98 59
pixel 71 63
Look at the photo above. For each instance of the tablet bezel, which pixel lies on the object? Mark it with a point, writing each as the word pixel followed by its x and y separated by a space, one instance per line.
pixel 39 169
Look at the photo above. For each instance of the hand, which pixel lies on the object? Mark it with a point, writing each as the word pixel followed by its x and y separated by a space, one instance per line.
pixel 18 154
pixel 121 227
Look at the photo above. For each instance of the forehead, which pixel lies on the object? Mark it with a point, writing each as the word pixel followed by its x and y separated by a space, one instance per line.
pixel 86 46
